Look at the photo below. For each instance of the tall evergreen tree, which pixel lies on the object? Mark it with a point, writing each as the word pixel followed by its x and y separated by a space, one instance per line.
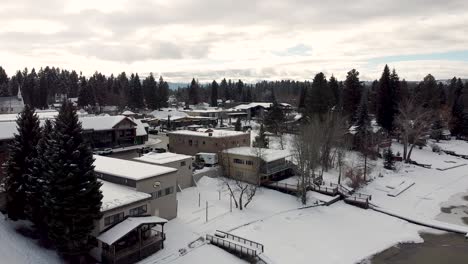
pixel 320 98
pixel 86 95
pixel 193 92
pixel 214 94
pixel 21 159
pixel 261 140
pixel 335 89
pixel 38 183
pixel 163 92
pixel 352 91
pixel 73 200
pixel 135 100
pixel 387 98
pixel 150 88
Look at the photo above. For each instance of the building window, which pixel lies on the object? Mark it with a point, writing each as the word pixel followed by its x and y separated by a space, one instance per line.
pixel 169 190
pixel 203 142
pixel 238 161
pixel 113 219
pixel 182 163
pixel 249 162
pixel 190 142
pixel 138 210
pixel 121 133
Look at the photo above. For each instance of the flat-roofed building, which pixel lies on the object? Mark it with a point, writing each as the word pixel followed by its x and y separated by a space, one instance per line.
pixel 256 165
pixel 181 162
pixel 158 181
pixel 206 140
pixel 127 228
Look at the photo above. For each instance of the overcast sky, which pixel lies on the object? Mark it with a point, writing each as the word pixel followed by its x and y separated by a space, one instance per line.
pixel 247 39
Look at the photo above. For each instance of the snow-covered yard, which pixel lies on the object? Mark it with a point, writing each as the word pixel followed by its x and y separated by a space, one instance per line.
pixel 16 248
pixel 339 233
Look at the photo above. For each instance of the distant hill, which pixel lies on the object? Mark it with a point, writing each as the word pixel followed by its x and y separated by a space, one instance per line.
pixel 174 86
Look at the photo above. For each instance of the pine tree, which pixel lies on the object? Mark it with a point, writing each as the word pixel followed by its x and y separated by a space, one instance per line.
pixel 38 183
pixel 320 98
pixel 387 99
pixel 335 89
pixel 21 158
pixel 135 100
pixel 389 162
pixel 261 141
pixel 238 125
pixel 193 92
pixel 73 200
pixel 163 93
pixel 352 91
pixel 274 118
pixel 214 94
pixel 150 88
pixel 363 136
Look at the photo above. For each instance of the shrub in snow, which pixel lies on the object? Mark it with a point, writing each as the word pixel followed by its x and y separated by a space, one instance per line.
pixel 389 161
pixel 356 177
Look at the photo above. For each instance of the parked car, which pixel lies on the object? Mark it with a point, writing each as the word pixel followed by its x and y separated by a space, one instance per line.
pixel 159 150
pixel 145 150
pixel 103 151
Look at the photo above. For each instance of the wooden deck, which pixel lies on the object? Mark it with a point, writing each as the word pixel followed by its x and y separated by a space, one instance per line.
pixel 331 189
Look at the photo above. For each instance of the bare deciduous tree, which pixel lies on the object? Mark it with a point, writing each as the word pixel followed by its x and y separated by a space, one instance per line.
pixel 414 122
pixel 306 151
pixel 241 187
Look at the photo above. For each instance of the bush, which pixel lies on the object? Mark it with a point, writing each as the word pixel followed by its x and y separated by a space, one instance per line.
pixel 389 161
pixel 356 176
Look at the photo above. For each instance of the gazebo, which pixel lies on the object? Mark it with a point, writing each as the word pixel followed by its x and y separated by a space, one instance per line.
pixel 133 239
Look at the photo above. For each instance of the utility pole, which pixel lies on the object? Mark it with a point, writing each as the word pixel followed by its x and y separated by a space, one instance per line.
pixel 206 211
pixel 199 199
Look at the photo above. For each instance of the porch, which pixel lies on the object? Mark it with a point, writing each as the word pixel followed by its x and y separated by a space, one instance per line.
pixel 132 240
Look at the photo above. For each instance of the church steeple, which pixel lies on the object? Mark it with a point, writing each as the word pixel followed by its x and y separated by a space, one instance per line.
pixel 19 95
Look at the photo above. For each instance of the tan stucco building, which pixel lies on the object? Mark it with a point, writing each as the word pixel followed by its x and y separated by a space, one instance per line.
pixel 138 198
pixel 256 165
pixel 206 140
pixel 181 162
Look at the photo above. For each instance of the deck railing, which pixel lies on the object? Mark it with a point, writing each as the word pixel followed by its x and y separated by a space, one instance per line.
pixel 230 246
pixel 243 240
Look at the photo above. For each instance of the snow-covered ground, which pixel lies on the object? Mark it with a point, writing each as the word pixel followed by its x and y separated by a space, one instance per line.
pixel 288 233
pixel 16 248
pixel 339 233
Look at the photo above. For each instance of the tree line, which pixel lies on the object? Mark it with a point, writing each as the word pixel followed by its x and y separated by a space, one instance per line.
pixel 39 88
pixel 239 91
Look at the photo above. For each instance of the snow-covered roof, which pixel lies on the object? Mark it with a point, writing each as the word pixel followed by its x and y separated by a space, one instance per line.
pixel 101 122
pixel 164 113
pixel 129 169
pixel 267 155
pixel 116 195
pixel 121 229
pixel 97 123
pixel 7 130
pixel 162 158
pixel 140 127
pixel 128 113
pixel 41 114
pixel 206 133
pixel 252 105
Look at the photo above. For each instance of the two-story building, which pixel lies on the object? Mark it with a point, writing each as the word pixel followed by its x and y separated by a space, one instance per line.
pixel 181 162
pixel 206 140
pixel 138 199
pixel 126 228
pixel 256 165
pixel 158 181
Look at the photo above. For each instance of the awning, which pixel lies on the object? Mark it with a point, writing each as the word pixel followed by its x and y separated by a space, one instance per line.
pixel 121 229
